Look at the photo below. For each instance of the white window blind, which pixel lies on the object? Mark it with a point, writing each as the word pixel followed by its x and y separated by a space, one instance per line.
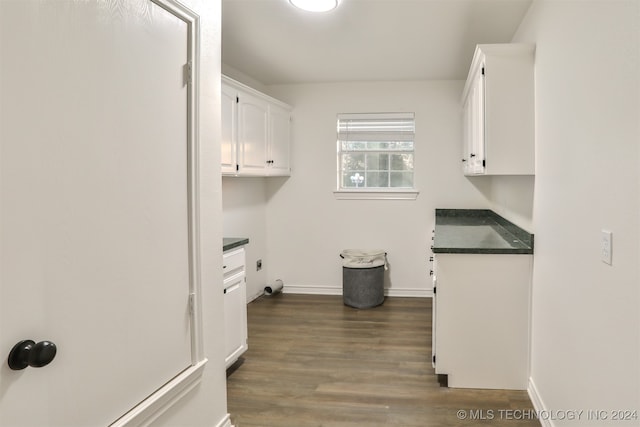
pixel 375 151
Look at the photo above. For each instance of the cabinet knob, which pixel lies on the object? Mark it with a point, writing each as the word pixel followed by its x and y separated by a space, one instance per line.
pixel 28 353
pixel 464 160
pixel 472 155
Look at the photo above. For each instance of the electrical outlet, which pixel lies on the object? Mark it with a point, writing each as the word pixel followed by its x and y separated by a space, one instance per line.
pixel 259 265
pixel 606 254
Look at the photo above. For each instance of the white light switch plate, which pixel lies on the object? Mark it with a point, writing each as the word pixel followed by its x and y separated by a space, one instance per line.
pixel 606 246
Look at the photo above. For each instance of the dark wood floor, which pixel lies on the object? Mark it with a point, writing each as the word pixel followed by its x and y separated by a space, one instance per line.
pixel 314 362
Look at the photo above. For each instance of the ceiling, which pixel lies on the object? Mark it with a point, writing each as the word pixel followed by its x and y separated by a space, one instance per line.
pixel 363 40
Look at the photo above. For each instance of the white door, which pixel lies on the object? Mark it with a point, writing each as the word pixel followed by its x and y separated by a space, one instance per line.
pixel 94 206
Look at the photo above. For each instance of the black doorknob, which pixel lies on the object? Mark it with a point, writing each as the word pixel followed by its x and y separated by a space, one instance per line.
pixel 28 353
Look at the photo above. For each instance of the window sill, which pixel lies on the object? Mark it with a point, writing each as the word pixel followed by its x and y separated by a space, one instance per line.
pixel 376 194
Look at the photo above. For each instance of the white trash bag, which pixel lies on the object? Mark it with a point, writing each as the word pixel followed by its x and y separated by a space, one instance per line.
pixel 359 258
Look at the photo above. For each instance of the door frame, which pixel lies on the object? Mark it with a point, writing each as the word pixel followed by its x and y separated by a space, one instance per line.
pixel 145 412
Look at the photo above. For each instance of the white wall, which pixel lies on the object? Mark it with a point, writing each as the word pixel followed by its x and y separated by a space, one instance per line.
pixel 586 324
pixel 307 227
pixel 244 204
pixel 206 404
pixel 510 197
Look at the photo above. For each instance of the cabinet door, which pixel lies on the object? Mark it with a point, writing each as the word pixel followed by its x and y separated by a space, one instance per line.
pixel 279 140
pixel 434 314
pixel 466 134
pixel 229 130
pixel 235 318
pixel 483 320
pixel 252 134
pixel 477 137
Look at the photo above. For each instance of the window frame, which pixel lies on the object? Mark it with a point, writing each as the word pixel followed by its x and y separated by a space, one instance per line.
pixel 374 193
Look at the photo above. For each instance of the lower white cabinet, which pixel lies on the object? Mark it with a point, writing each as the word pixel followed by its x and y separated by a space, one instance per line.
pixel 235 305
pixel 481 319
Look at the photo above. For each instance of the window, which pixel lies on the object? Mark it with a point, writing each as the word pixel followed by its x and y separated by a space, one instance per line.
pixel 375 152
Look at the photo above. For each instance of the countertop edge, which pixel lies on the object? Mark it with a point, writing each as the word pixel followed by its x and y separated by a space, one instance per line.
pixel 504 226
pixel 483 251
pixel 229 243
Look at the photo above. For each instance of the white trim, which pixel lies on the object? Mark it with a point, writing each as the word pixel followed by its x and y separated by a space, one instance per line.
pixel 155 405
pixel 538 404
pixel 254 297
pixel 409 292
pixel 376 194
pixel 337 290
pixel 375 116
pixel 312 290
pixel 225 421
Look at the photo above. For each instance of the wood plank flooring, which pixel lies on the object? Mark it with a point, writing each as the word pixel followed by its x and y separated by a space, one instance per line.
pixel 314 362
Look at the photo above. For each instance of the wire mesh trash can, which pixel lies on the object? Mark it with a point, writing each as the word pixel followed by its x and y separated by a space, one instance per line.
pixel 363 277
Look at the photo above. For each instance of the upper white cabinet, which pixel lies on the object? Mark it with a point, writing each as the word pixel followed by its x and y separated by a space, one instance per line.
pixel 255 132
pixel 498 111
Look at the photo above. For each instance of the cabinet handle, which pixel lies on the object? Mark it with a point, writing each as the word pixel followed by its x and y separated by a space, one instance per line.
pixel 464 160
pixel 472 155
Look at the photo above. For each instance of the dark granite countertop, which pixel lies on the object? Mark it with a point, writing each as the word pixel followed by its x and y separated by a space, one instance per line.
pixel 478 231
pixel 233 242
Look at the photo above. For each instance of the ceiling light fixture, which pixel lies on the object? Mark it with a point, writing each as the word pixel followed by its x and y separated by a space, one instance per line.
pixel 315 5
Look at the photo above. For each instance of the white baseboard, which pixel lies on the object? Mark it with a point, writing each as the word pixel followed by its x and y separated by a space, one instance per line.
pixel 311 290
pixel 408 292
pixel 538 404
pixel 225 421
pixel 337 290
pixel 254 297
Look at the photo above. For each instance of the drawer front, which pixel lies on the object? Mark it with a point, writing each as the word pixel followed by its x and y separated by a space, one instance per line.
pixel 233 262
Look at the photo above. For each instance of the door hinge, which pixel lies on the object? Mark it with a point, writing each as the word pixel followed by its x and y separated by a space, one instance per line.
pixel 192 299
pixel 188 73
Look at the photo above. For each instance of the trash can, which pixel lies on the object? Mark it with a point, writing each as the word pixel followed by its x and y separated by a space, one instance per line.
pixel 363 277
